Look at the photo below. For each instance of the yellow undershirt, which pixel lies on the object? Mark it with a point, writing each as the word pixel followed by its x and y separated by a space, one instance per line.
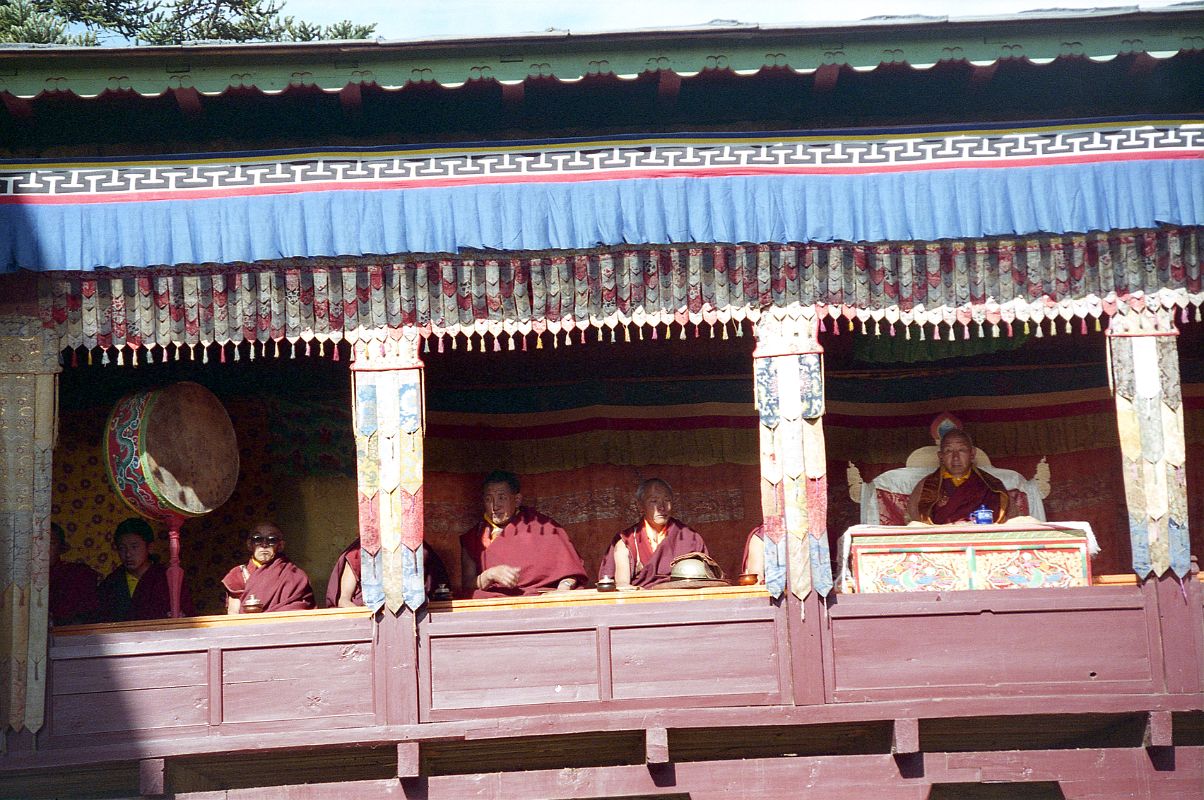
pixel 955 481
pixel 131 581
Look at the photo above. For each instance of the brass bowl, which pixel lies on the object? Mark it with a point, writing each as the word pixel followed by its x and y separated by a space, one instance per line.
pixel 747 579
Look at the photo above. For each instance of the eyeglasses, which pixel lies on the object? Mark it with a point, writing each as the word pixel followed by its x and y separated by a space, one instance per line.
pixel 266 540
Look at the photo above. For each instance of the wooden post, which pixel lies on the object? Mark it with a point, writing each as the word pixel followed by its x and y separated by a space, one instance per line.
pixel 1144 376
pixel 152 774
pixel 388 398
pixel 788 370
pixel 28 427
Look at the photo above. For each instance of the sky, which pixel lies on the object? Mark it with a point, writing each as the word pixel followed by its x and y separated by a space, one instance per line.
pixel 416 19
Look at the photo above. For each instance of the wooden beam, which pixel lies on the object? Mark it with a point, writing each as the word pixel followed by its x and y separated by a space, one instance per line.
pixel 189 101
pixel 152 777
pixel 409 762
pixel 18 107
pixel 656 746
pixel 905 738
pixel 668 87
pixel 513 94
pixel 352 99
pixel 825 78
pixel 1158 730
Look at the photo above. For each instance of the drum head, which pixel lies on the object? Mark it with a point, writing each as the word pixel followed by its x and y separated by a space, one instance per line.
pixel 189 448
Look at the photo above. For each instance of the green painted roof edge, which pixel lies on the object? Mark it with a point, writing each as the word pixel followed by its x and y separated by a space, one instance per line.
pixel 27 72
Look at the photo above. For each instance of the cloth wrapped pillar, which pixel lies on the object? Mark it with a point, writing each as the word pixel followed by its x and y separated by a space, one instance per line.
pixel 1144 375
pixel 788 370
pixel 28 426
pixel 387 394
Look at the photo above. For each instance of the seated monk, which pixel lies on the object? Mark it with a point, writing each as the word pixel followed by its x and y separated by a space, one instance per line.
pixel 73 599
pixel 957 487
pixel 137 588
pixel 269 581
pixel 515 551
pixel 643 554
pixel 344 589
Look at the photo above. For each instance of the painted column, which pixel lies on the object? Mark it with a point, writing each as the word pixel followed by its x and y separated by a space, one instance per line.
pixel 788 370
pixel 28 427
pixel 387 395
pixel 1144 376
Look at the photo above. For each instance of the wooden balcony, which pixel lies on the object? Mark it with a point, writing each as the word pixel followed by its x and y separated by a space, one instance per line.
pixel 604 684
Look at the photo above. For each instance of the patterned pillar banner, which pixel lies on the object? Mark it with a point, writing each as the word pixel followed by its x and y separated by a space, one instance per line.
pixel 788 370
pixel 389 434
pixel 28 428
pixel 1144 373
pixel 775 564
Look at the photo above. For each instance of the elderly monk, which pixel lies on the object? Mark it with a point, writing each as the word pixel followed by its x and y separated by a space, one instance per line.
pixel 344 590
pixel 269 581
pixel 515 551
pixel 643 554
pixel 73 599
pixel 137 588
pixel 957 487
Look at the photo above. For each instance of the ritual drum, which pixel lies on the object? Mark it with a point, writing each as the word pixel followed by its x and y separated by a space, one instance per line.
pixel 171 452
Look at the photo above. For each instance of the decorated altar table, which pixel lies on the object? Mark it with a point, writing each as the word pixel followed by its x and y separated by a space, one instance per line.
pixel 927 558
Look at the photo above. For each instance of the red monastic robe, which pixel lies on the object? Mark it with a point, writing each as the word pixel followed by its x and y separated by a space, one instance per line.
pixel 943 503
pixel 73 599
pixel 151 598
pixel 679 539
pixel 280 585
pixel 433 571
pixel 531 541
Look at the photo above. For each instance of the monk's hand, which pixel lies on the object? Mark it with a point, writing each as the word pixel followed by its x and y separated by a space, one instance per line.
pixel 502 575
pixel 568 584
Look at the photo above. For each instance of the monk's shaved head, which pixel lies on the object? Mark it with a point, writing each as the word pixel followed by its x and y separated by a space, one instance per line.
pixel 957 433
pixel 641 491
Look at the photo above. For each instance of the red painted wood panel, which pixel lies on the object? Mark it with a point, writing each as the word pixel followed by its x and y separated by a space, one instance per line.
pixel 968 652
pixel 140 710
pixel 702 659
pixel 128 673
pixel 302 682
pixel 511 669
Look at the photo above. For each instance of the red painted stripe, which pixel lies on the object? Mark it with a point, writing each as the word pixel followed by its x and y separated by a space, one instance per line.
pixel 331 186
pixel 887 420
pixel 485 432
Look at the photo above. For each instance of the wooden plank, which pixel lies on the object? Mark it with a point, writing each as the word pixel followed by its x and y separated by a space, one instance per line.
pixel 151 777
pixel 605 678
pixel 142 710
pixel 1158 730
pixel 409 762
pixel 805 623
pixel 586 598
pixel 129 673
pixel 1086 598
pixel 966 655
pixel 704 659
pixel 905 737
pixel 514 669
pixel 400 668
pixel 1181 628
pixel 303 682
pixel 1108 774
pixel 656 746
pixel 213 678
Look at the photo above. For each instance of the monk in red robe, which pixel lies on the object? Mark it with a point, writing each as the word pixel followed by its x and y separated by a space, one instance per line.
pixel 344 589
pixel 137 588
pixel 957 488
pixel 643 554
pixel 73 599
pixel 515 551
pixel 269 581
